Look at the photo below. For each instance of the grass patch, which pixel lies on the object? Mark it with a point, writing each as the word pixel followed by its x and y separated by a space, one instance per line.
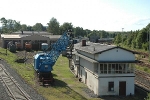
pixel 65 83
pixel 143 68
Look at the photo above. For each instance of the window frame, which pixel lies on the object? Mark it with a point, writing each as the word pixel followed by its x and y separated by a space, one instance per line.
pixel 111 86
pixel 96 67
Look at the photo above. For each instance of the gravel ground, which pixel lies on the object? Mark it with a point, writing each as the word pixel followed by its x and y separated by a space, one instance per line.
pixel 90 93
pixel 29 90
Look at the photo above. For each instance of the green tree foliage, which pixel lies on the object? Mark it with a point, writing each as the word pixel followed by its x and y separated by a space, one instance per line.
pixel 118 39
pixel 133 39
pixel 66 26
pixel 4 25
pixel 79 31
pixel 145 46
pixel 101 34
pixel 87 32
pixel 124 39
pixel 53 26
pixel 141 38
pixel 29 28
pixel 9 25
pixel 17 26
pixel 24 27
pixel 136 39
pixel 148 97
pixel 38 27
pixel 139 41
pixel 4 21
pixel 93 33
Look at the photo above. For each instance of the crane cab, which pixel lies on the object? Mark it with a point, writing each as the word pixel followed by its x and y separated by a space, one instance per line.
pixel 41 63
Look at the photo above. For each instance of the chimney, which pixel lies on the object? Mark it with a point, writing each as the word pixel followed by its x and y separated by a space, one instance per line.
pixel 83 42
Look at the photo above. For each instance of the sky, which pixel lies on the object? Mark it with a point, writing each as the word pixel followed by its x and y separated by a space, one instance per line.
pixel 108 15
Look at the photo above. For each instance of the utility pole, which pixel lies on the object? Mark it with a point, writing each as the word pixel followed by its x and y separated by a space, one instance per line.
pixel 122 29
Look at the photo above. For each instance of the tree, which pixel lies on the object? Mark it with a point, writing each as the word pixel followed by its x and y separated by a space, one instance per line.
pixel 10 25
pixel 38 27
pixel 129 38
pixel 4 22
pixel 66 26
pixel 87 31
pixel 29 28
pixel 145 46
pixel 93 33
pixel 17 26
pixel 4 25
pixel 104 34
pixel 148 97
pixel 118 39
pixel 78 31
pixel 53 26
pixel 139 40
pixel 24 27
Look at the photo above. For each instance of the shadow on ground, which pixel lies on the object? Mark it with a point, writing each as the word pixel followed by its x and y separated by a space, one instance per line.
pixel 59 84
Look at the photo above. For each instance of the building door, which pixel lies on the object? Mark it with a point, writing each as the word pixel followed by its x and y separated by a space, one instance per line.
pixel 85 77
pixel 122 88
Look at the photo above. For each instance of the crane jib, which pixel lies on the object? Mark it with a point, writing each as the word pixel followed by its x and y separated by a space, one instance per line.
pixel 45 62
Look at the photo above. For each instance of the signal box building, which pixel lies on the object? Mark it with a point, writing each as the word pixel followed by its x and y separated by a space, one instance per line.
pixel 105 69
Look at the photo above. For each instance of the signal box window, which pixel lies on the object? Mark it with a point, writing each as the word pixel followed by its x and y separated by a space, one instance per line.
pixel 110 86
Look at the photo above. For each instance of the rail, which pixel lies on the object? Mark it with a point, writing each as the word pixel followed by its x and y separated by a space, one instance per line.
pixel 15 91
pixel 142 79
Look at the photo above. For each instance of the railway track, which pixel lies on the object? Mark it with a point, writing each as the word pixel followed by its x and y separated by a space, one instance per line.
pixel 142 79
pixel 141 63
pixel 13 89
pixel 142 53
pixel 143 74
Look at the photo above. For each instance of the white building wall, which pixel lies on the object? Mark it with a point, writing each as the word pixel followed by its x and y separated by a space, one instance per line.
pixel 115 54
pixel 74 62
pixel 92 81
pixel 88 65
pixel 103 85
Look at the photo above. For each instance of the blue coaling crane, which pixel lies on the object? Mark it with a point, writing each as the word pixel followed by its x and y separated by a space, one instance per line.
pixel 44 62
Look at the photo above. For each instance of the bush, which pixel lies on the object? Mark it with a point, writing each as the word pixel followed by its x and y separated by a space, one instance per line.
pixel 145 69
pixel 148 97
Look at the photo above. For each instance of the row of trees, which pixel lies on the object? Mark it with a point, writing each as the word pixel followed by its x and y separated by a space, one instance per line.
pixel 138 39
pixel 10 26
pixel 133 39
pixel 53 26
